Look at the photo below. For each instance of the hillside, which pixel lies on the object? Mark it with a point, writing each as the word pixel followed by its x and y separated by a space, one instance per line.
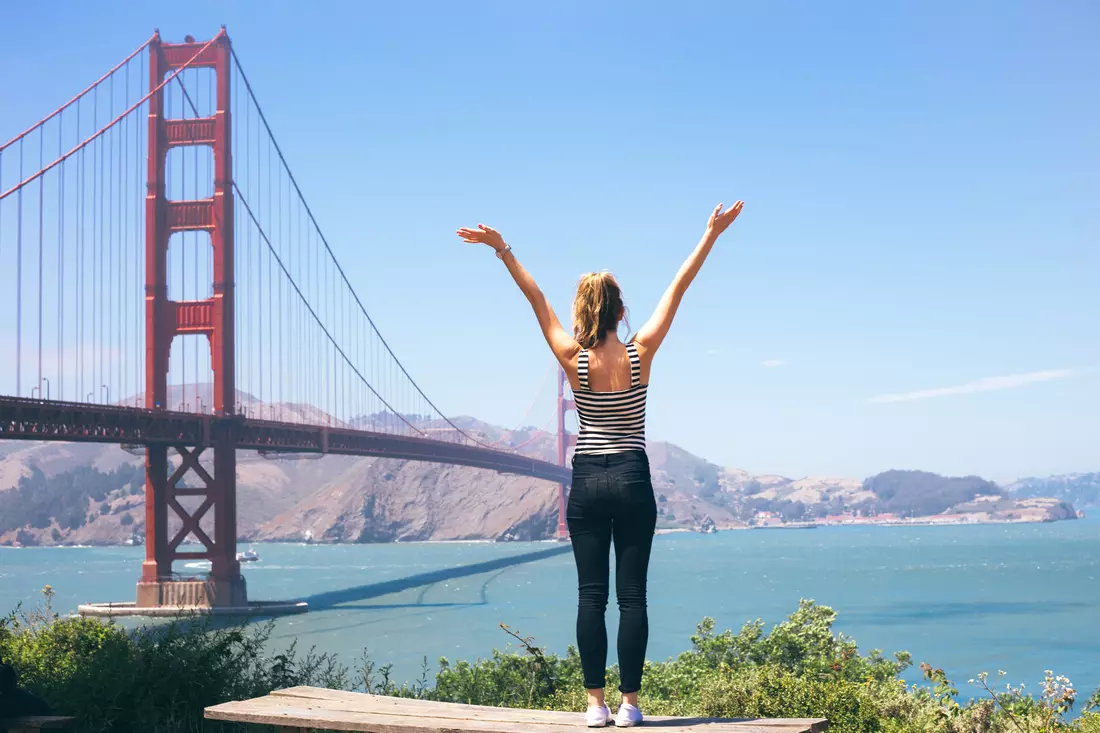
pixel 58 493
pixel 921 494
pixel 1080 489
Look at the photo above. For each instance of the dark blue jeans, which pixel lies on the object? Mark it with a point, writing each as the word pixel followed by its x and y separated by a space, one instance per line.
pixel 611 501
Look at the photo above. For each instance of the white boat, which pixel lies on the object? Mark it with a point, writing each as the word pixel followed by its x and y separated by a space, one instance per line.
pixel 248 555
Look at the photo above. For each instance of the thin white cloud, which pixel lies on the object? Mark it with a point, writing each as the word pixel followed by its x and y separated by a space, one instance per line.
pixel 773 363
pixel 986 384
pixel 713 352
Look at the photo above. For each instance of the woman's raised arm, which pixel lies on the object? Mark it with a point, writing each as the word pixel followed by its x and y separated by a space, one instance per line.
pixel 650 336
pixel 564 346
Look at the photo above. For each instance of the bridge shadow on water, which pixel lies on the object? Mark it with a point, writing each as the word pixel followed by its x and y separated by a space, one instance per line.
pixel 353 598
pixel 347 597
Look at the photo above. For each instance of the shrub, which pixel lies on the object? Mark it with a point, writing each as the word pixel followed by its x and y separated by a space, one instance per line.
pixel 1089 723
pixel 156 679
pixel 161 678
pixel 770 692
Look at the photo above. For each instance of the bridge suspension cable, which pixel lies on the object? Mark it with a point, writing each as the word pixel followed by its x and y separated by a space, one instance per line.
pixel 72 248
pixel 71 236
pixel 333 307
pixel 61 159
pixel 78 97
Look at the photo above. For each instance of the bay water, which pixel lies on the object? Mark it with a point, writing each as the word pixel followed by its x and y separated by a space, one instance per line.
pixel 1018 598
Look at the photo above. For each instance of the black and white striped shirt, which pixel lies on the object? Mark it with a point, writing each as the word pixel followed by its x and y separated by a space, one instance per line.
pixel 611 422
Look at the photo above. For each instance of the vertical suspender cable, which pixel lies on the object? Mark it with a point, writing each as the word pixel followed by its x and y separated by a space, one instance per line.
pixel 280 363
pixel 298 322
pixel 97 243
pixel 109 292
pixel 19 282
pixel 124 222
pixel 181 247
pixel 139 242
pixel 80 270
pixel 117 353
pixel 41 248
pixel 328 349
pixel 196 240
pixel 248 237
pixel 61 265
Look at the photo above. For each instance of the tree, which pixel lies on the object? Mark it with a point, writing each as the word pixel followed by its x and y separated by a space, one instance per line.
pixel 63 498
pixel 920 493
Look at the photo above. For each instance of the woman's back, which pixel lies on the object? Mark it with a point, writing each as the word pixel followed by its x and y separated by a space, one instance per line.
pixel 609 367
pixel 611 420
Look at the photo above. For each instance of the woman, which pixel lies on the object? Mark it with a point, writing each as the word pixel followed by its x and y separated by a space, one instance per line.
pixel 611 498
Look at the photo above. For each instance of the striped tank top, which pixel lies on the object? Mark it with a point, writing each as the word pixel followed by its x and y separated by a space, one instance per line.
pixel 611 422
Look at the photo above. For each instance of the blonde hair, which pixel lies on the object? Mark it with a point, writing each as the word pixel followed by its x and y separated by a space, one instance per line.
pixel 597 308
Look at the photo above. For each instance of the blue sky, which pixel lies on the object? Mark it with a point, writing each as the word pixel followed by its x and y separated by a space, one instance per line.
pixel 912 283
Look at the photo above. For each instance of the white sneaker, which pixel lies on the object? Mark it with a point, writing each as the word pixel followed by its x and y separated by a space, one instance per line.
pixel 629 716
pixel 597 716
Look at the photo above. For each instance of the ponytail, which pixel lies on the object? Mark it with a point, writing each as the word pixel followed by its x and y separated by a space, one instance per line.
pixel 596 309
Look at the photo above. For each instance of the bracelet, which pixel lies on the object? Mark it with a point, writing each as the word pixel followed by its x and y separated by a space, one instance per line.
pixel 505 250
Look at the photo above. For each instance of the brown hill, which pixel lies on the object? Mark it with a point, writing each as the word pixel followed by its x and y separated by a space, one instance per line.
pixel 347 499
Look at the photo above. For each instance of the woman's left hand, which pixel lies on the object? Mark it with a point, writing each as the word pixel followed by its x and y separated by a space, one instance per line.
pixel 482 235
pixel 720 220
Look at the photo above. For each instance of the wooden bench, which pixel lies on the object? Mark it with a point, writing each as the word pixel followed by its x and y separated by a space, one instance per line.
pixel 305 708
pixel 34 723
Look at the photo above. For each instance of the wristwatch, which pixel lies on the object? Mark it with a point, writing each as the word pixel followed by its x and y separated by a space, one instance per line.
pixel 505 250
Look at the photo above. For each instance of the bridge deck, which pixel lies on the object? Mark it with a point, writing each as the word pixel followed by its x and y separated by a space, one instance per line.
pixel 303 708
pixel 27 419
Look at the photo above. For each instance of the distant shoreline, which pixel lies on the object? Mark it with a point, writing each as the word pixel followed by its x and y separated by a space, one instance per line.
pixel 923 522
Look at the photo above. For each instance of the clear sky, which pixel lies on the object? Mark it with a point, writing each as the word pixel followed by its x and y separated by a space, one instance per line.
pixel 914 280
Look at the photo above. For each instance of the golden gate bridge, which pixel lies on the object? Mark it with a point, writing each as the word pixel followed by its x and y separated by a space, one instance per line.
pixel 161 251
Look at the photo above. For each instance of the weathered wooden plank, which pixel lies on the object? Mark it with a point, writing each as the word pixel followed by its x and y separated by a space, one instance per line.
pixel 34 723
pixel 289 712
pixel 359 702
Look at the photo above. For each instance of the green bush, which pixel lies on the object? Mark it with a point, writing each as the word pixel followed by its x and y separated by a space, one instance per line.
pixel 1089 723
pixel 161 678
pixel 156 679
pixel 769 692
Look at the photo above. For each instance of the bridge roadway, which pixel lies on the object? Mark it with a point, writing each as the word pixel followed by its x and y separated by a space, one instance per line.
pixel 53 420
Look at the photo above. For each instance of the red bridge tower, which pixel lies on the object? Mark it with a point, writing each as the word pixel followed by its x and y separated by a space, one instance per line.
pixel 565 442
pixel 214 317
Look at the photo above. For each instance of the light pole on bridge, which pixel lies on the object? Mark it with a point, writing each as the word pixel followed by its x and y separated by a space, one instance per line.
pixel 102 388
pixel 47 381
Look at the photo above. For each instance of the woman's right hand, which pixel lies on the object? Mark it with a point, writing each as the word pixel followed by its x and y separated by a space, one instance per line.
pixel 720 220
pixel 482 235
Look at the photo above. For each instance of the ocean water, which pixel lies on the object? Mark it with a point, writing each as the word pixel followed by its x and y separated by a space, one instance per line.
pixel 1019 598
